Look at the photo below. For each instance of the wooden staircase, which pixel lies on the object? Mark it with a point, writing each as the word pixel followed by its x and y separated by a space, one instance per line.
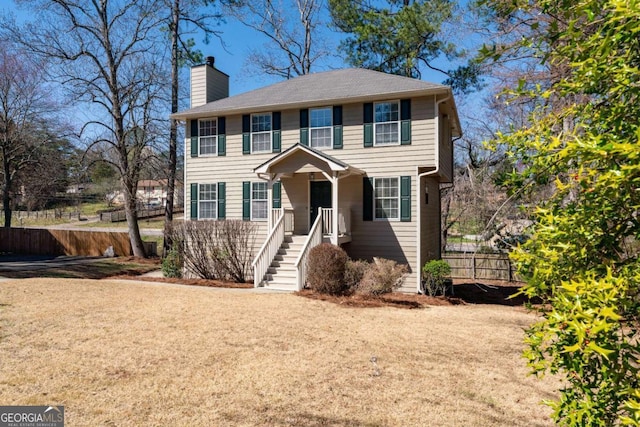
pixel 282 273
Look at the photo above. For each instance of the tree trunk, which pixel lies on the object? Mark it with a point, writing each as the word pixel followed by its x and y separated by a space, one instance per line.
pixel 173 133
pixel 6 199
pixel 131 213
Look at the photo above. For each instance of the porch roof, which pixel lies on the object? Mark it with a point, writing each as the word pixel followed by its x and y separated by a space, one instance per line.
pixel 306 155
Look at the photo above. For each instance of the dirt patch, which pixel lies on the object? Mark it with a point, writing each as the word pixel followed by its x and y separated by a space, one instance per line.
pixel 492 292
pixel 191 282
pixel 398 300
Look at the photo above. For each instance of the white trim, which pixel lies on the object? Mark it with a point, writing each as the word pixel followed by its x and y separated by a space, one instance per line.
pixel 214 136
pixel 398 198
pixel 262 132
pixel 251 200
pixel 397 122
pixel 330 128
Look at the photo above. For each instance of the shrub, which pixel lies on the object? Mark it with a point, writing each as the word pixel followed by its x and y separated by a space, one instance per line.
pixel 354 273
pixel 382 277
pixel 436 274
pixel 325 269
pixel 172 264
pixel 216 249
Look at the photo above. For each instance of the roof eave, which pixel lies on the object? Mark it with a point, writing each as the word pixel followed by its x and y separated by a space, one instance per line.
pixel 187 114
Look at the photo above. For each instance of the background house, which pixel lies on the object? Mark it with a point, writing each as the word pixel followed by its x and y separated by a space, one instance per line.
pixel 360 152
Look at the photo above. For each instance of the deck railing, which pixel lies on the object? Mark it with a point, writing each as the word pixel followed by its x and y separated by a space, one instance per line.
pixel 268 251
pixel 288 218
pixel 314 239
pixel 344 221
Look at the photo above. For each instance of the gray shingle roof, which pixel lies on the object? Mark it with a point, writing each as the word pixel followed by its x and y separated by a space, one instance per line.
pixel 354 84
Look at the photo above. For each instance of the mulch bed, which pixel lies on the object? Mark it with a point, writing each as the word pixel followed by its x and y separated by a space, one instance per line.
pixel 192 282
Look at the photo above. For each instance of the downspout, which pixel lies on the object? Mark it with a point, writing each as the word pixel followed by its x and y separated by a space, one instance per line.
pixel 418 199
pixel 184 182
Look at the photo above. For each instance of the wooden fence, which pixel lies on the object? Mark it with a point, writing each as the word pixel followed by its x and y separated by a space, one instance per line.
pixel 119 216
pixel 36 241
pixel 481 266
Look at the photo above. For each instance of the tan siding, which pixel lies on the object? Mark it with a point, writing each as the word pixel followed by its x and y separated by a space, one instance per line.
pixel 207 84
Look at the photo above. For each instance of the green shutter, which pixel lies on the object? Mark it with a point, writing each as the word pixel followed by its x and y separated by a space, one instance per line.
pixel 277 141
pixel 405 198
pixel 222 145
pixel 367 199
pixel 246 143
pixel 337 137
pixel 367 113
pixel 337 127
pixel 222 137
pixel 304 136
pixel 405 124
pixel 246 200
pixel 222 202
pixel 368 134
pixel 194 138
pixel 304 126
pixel 194 201
pixel 277 195
pixel 246 134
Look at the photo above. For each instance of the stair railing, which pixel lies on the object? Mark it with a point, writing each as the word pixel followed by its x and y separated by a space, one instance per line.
pixel 268 251
pixel 313 239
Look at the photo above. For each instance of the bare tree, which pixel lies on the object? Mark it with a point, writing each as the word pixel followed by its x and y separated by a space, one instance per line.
pixel 106 54
pixel 292 29
pixel 185 18
pixel 25 111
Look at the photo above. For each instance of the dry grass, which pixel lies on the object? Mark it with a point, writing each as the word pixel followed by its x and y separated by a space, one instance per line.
pixel 130 353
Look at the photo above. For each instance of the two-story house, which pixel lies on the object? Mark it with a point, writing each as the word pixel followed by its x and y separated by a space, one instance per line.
pixel 353 156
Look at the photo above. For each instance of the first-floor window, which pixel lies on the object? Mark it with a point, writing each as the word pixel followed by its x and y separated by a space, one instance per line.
pixel 386 198
pixel 208 202
pixel 259 200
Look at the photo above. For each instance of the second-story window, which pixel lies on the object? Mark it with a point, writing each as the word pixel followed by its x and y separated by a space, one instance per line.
pixel 261 133
pixel 207 137
pixel 387 123
pixel 321 124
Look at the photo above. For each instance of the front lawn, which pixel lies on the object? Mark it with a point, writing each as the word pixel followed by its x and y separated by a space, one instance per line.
pixel 130 353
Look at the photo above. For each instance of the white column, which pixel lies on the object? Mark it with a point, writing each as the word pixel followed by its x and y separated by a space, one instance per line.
pixel 270 203
pixel 334 204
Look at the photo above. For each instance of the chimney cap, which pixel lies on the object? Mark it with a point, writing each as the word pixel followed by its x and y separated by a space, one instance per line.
pixel 210 60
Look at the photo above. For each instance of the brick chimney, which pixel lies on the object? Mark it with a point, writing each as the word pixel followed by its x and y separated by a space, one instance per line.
pixel 208 83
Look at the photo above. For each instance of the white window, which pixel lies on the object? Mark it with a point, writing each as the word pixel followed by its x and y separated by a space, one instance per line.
pixel 386 198
pixel 207 201
pixel 321 124
pixel 259 200
pixel 208 137
pixel 261 133
pixel 387 123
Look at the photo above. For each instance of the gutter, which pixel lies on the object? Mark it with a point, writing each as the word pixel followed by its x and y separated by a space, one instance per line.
pixel 419 177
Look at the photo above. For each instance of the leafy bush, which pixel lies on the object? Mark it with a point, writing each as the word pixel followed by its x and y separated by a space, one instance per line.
pixel 326 269
pixel 382 277
pixel 172 264
pixel 354 273
pixel 217 249
pixel 436 274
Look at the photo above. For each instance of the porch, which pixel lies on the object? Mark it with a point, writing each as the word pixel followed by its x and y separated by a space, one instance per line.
pixel 312 201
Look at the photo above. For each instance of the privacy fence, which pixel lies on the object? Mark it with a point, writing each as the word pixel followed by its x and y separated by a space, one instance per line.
pixel 35 241
pixel 481 266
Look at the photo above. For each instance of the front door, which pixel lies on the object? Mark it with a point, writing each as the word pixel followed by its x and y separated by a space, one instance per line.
pixel 320 197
